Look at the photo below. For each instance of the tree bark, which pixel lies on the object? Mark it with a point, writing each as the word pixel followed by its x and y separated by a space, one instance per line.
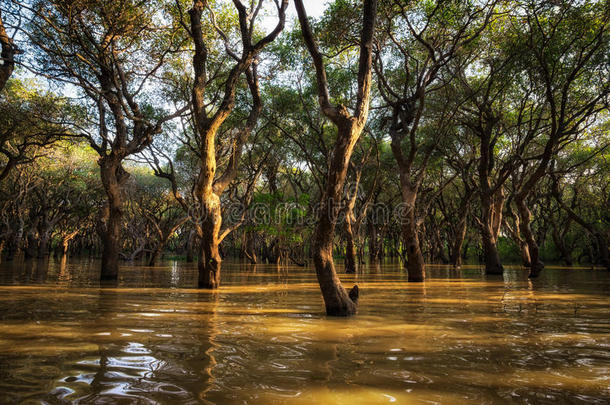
pixel 190 248
pixel 525 217
pixel 492 215
pixel 415 259
pixel 7 55
pixel 349 128
pixel 456 247
pixel 209 260
pixel 336 299
pixel 351 263
pixel 113 178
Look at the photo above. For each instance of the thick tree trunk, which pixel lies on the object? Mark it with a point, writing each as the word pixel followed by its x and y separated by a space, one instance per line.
pixel 525 217
pixel 110 244
pixel 154 256
pixel 493 265
pixel 31 250
pixel 416 267
pixel 43 246
pixel 209 259
pixel 113 178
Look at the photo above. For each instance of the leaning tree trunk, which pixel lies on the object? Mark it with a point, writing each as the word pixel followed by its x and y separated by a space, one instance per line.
pixel 336 299
pixel 349 127
pixel 113 177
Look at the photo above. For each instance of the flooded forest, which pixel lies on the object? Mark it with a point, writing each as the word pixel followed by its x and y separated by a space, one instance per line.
pixel 304 202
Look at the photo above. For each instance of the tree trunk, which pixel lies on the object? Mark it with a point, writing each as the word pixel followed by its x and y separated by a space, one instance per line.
pixel 456 248
pixel 525 217
pixel 415 259
pixel 249 247
pixel 209 259
pixel 489 231
pixel 190 248
pixel 351 264
pixel 43 246
pixel 336 299
pixel 349 127
pixel 154 256
pixel 559 241
pixel 113 178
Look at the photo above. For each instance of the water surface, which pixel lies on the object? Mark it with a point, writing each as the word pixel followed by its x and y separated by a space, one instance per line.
pixel 262 338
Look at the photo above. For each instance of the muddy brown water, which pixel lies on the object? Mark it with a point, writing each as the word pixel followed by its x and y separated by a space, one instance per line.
pixel 263 338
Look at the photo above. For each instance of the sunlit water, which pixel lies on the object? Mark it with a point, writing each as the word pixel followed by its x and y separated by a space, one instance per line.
pixel 263 338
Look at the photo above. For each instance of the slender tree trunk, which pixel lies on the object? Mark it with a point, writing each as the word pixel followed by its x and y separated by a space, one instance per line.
pixel 190 248
pixel 559 241
pixel 349 128
pixel 249 247
pixel 525 217
pixel 351 264
pixel 456 248
pixel 515 232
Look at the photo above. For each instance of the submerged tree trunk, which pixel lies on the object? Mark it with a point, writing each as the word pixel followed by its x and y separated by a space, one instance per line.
pixel 113 178
pixel 349 127
pixel 456 247
pixel 209 259
pixel 492 217
pixel 525 217
pixel 515 232
pixel 336 299
pixel 351 263
pixel 190 247
pixel 415 259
